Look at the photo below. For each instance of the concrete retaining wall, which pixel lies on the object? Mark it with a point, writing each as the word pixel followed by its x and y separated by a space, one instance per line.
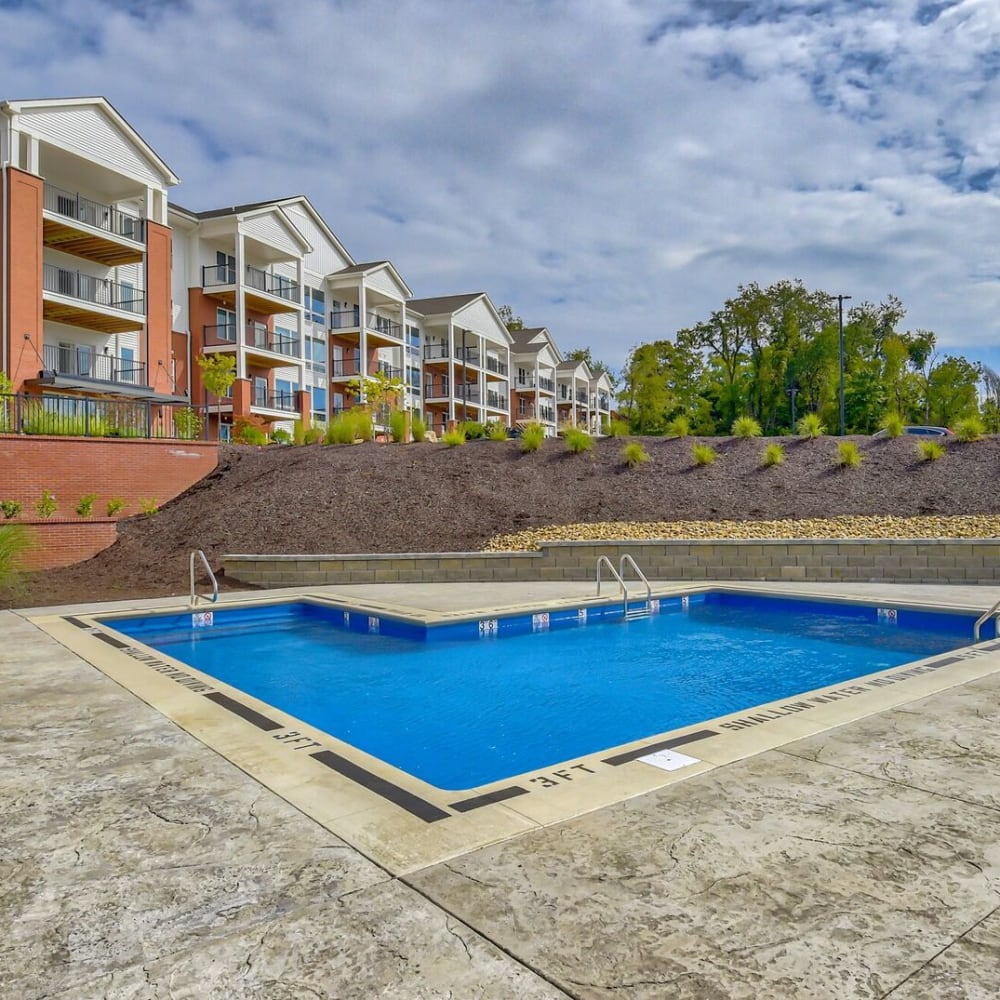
pixel 914 561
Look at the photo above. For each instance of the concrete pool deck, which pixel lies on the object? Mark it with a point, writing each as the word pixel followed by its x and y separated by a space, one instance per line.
pixel 862 860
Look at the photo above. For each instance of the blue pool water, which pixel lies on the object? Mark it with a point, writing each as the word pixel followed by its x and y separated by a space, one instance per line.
pixel 466 704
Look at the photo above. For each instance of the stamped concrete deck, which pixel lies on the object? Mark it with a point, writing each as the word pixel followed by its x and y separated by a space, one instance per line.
pixel 135 862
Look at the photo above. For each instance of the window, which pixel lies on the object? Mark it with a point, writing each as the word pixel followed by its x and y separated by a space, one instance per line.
pixel 414 335
pixel 127 368
pixel 318 404
pixel 225 268
pixel 225 325
pixel 316 353
pixel 315 303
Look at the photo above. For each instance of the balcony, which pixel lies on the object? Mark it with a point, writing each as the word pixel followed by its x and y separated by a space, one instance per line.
pixel 93 303
pixel 495 365
pixel 260 338
pixel 265 292
pixel 83 366
pixel 219 335
pixel 582 397
pixel 546 384
pixel 523 384
pixel 90 229
pixel 437 389
pixel 382 326
pixel 349 367
pixel 547 414
pixel 283 402
pixel 384 368
pixel 495 400
pixel 345 319
pixel 470 355
pixel 436 352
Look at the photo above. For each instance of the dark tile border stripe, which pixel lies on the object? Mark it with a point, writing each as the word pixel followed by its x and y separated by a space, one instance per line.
pixel 946 662
pixel 488 798
pixel 244 711
pixel 111 640
pixel 77 622
pixel 676 741
pixel 96 632
pixel 419 807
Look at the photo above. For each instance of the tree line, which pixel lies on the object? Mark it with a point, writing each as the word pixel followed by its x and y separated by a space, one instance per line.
pixel 773 353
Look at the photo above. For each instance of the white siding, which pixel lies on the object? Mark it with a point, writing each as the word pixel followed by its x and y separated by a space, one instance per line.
pixel 325 258
pixel 182 252
pixel 477 317
pixel 89 133
pixel 383 281
pixel 270 229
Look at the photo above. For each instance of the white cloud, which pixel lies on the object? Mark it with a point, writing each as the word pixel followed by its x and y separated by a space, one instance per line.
pixel 609 187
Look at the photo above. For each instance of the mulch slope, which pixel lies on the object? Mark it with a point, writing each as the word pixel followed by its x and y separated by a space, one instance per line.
pixel 393 498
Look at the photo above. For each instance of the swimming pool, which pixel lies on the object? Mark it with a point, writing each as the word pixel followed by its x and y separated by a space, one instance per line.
pixel 469 703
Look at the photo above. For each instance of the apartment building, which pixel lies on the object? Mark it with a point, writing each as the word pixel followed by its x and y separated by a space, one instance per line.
pixel 85 307
pixel 534 359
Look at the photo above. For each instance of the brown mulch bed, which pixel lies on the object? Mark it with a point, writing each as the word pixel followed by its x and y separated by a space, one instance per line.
pixel 394 498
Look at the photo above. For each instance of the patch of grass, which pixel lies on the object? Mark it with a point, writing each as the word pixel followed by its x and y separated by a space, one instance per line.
pixel 418 428
pixel 679 427
pixel 454 437
pixel 13 543
pixel 703 454
pixel 496 431
pixel 810 426
pixel 930 451
pixel 86 505
pixel 634 454
pixel 773 454
pixel 577 441
pixel 532 437
pixel 893 425
pixel 969 429
pixel 848 455
pixel 746 427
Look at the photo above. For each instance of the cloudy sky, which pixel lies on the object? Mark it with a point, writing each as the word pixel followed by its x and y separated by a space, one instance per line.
pixel 612 169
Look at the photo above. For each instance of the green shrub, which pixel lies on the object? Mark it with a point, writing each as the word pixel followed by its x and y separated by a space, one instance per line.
pixel 340 430
pixel 86 505
pixel 9 508
pixel 619 428
pixel 13 542
pixel 473 430
pixel 397 426
pixel 532 437
pixel 969 429
pixel 703 454
pixel 773 454
pixel 314 435
pixel 115 506
pixel 253 436
pixel 150 508
pixel 893 425
pixel 496 431
pixel 634 454
pixel 298 433
pixel 848 455
pixel 454 437
pixel 188 423
pixel 577 441
pixel 360 418
pixel 280 436
pixel 930 451
pixel 605 426
pixel 746 427
pixel 418 428
pixel 810 426
pixel 46 507
pixel 679 427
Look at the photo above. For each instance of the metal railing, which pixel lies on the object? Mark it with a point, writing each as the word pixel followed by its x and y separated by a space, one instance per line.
pixel 219 333
pixel 284 401
pixel 436 352
pixel 281 287
pixel 619 575
pixel 495 365
pixel 259 336
pixel 388 370
pixel 994 612
pixel 75 416
pixel 437 390
pixel 468 392
pixel 547 414
pixel 345 319
pixel 195 597
pixel 72 205
pixel 546 383
pixel 384 325
pixel 99 291
pixel 523 383
pixel 87 363
pixel 345 368
pixel 582 397
pixel 470 355
pixel 495 400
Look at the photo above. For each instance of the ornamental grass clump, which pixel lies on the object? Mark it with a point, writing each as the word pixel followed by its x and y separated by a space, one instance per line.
pixel 473 430
pixel 9 509
pixel 703 454
pixel 848 455
pixel 46 507
pixel 397 426
pixel 618 428
pixel 679 427
pixel 532 437
pixel 773 454
pixel 930 451
pixel 496 431
pixel 893 425
pixel 418 428
pixel 810 426
pixel 577 441
pixel 746 427
pixel 634 454
pixel 454 437
pixel 13 543
pixel 969 429
pixel 86 505
pixel 340 430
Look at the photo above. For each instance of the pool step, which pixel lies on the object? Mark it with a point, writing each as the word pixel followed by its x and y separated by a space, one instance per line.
pixel 633 613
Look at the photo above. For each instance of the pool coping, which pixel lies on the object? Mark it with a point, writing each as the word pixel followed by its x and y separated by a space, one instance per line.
pixel 404 824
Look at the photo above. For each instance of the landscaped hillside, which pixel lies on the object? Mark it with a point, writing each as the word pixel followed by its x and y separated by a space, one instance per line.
pixel 396 498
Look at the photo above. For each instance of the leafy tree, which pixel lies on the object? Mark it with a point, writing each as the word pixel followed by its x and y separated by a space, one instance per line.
pixel 644 395
pixel 218 373
pixel 952 391
pixel 380 392
pixel 511 321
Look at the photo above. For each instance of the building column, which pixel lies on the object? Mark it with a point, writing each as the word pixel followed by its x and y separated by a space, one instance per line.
pixel 241 306
pixel 362 327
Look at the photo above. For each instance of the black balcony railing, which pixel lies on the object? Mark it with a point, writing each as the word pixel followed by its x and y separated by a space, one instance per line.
pixel 345 319
pixel 389 371
pixel 436 390
pixel 284 401
pixel 546 413
pixel 345 368
pixel 495 365
pixel 85 417
pixel 74 206
pixel 582 397
pixel 213 275
pixel 84 362
pixel 260 337
pixel 435 352
pixel 547 384
pixel 99 291
pixel 528 382
pixel 495 400
pixel 470 355
pixel 384 325
pixel 219 333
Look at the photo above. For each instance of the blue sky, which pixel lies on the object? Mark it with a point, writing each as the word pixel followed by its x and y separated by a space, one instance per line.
pixel 612 169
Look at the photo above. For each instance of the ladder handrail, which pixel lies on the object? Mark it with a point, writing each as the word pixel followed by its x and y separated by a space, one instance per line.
pixel 982 619
pixel 195 597
pixel 626 558
pixel 604 560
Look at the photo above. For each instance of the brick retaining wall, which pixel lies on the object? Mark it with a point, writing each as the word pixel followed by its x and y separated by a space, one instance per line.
pixel 903 561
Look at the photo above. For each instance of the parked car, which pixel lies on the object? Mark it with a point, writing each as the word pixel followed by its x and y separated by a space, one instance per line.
pixel 921 430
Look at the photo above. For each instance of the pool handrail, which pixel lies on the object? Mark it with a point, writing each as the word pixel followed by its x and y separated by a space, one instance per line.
pixel 605 561
pixel 983 618
pixel 195 597
pixel 627 559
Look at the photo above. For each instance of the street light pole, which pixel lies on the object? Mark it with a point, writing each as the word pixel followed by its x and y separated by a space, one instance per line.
pixel 840 323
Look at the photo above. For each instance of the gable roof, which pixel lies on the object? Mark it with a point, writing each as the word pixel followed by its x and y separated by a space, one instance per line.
pixel 370 268
pixel 442 304
pixel 531 340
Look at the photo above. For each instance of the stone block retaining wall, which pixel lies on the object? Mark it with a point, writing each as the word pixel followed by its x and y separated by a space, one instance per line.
pixel 912 561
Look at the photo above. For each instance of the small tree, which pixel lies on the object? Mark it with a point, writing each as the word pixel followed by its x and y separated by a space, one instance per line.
pixel 218 373
pixel 380 391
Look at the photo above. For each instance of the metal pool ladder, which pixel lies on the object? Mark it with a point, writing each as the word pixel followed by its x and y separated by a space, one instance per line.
pixel 983 618
pixel 630 613
pixel 195 597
